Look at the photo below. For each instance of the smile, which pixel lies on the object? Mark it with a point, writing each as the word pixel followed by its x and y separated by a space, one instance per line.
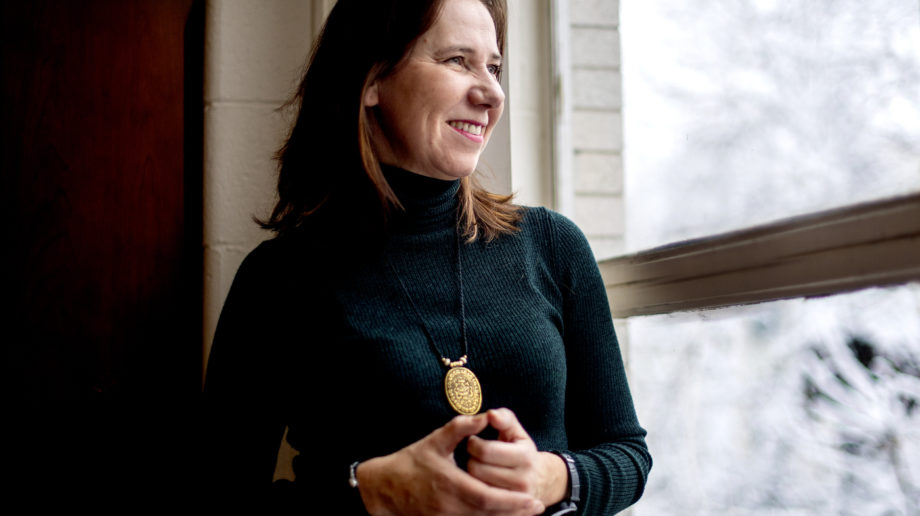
pixel 467 127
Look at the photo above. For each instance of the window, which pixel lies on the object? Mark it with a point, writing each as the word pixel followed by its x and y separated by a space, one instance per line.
pixel 738 114
pixel 781 107
pixel 814 406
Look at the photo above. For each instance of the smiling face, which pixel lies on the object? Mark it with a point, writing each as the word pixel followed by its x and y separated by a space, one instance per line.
pixel 435 112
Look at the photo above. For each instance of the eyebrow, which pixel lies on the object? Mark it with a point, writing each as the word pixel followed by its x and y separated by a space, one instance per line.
pixel 467 50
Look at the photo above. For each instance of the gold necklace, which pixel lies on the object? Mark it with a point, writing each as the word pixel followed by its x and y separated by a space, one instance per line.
pixel 461 386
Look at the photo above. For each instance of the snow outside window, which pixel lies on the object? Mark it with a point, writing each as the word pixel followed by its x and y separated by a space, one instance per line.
pixel 739 113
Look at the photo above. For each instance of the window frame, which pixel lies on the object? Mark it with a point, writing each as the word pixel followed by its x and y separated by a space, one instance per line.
pixel 871 244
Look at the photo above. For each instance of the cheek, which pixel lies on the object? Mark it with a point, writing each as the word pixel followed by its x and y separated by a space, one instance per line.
pixel 494 116
pixel 497 113
pixel 401 121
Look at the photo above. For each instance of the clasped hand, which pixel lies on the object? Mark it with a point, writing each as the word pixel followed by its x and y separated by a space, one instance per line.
pixel 507 476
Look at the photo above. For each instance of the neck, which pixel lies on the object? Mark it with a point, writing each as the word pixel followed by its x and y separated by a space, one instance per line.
pixel 429 203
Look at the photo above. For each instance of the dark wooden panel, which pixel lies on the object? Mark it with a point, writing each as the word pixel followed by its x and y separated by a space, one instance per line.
pixel 101 185
pixel 95 199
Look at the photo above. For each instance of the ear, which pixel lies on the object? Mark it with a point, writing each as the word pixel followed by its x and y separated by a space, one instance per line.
pixel 371 95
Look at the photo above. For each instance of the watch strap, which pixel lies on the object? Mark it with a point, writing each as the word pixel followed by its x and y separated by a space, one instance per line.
pixel 569 505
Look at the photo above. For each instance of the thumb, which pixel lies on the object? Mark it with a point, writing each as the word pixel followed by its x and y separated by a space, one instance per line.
pixel 446 438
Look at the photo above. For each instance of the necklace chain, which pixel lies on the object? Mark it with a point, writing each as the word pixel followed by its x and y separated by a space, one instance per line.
pixel 466 348
pixel 461 386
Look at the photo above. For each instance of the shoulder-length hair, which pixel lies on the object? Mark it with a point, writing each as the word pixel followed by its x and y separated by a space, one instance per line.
pixel 328 155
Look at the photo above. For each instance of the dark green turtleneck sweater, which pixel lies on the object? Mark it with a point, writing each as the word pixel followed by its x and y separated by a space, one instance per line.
pixel 328 343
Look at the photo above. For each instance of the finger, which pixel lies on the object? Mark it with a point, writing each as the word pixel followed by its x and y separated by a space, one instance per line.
pixel 498 476
pixel 500 453
pixel 446 438
pixel 479 496
pixel 507 424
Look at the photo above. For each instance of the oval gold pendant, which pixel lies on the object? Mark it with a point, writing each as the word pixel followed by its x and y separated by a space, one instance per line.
pixel 462 389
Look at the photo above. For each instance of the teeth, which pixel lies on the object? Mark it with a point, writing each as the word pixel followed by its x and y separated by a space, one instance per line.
pixel 469 128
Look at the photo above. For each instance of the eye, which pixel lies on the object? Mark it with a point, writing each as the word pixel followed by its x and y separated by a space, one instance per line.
pixel 458 60
pixel 495 70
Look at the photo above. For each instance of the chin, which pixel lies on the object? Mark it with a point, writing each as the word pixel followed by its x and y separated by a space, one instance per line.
pixel 458 174
pixel 455 171
pixel 465 169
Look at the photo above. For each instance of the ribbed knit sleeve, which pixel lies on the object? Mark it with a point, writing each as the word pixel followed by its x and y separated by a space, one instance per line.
pixel 603 432
pixel 243 397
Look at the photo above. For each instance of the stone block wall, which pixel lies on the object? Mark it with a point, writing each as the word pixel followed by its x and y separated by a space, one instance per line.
pixel 596 123
pixel 254 56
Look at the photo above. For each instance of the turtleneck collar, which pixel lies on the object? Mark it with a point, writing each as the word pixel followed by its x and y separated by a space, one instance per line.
pixel 430 203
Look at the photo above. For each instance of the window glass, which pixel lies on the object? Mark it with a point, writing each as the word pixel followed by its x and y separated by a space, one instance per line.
pixel 791 407
pixel 741 112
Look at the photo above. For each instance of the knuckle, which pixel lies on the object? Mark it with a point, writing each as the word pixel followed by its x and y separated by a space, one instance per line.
pixel 529 461
pixel 479 500
pixel 440 480
pixel 452 425
pixel 439 505
pixel 520 483
pixel 483 455
pixel 475 446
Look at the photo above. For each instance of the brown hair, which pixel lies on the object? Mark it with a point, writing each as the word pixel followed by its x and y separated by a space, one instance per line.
pixel 329 151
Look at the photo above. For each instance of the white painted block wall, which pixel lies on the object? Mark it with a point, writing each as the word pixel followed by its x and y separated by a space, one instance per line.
pixel 254 55
pixel 596 123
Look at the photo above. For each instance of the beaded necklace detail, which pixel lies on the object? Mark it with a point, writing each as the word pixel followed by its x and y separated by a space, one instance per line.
pixel 461 386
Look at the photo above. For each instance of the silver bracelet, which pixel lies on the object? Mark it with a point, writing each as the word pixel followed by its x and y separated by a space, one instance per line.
pixel 352 474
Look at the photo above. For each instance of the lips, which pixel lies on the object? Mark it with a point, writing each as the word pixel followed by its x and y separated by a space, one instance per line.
pixel 472 128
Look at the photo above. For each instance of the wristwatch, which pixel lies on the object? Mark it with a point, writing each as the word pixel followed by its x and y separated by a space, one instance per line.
pixel 569 505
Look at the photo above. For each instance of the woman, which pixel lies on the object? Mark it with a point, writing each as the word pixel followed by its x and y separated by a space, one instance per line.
pixel 398 293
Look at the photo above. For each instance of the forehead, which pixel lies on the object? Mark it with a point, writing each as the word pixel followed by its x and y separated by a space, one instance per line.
pixel 462 23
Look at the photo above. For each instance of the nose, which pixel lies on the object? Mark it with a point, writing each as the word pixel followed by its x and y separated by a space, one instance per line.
pixel 487 92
